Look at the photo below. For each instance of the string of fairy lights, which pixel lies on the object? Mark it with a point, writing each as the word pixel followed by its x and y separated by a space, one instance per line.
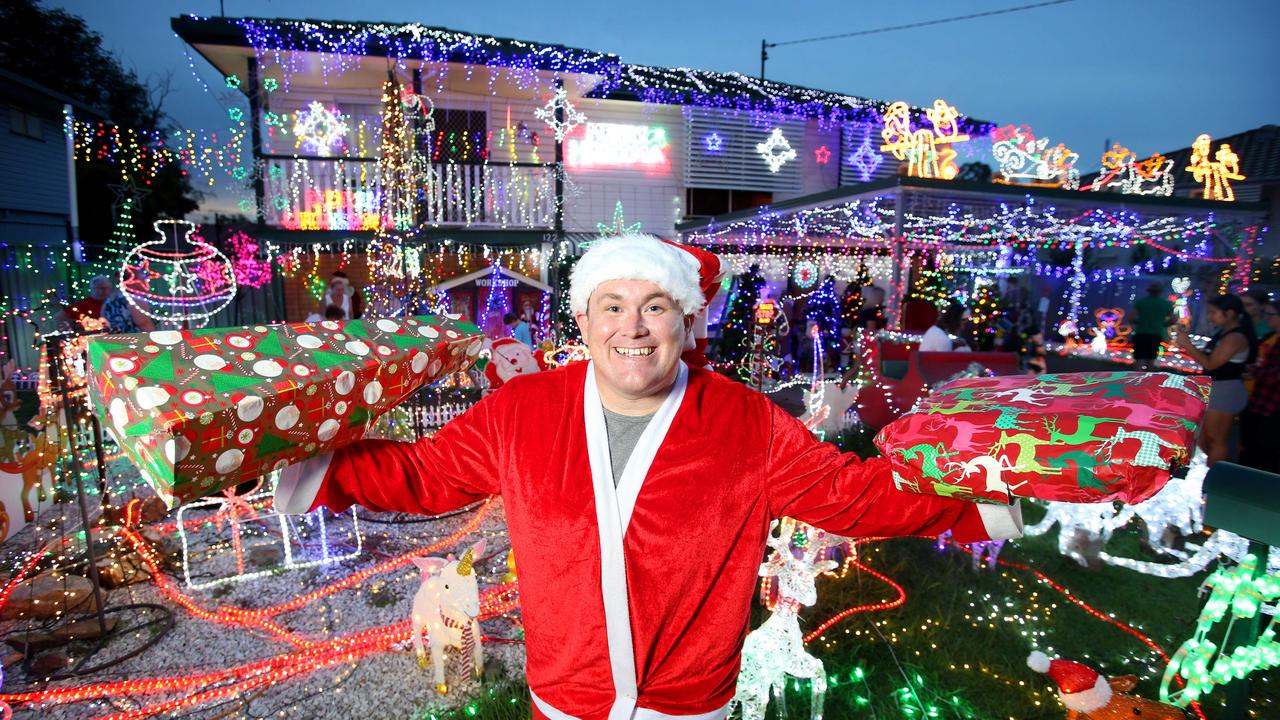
pixel 352 174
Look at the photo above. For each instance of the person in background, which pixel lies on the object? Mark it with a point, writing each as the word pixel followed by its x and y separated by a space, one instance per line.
pixel 519 328
pixel 871 316
pixel 100 288
pixel 333 312
pixel 123 317
pixel 1260 422
pixel 1254 301
pixel 942 336
pixel 1152 316
pixel 1231 349
pixel 344 295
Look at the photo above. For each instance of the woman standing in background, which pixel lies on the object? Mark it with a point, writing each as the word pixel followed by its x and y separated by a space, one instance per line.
pixel 1231 349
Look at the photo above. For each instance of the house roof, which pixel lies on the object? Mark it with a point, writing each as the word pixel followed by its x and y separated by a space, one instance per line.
pixel 735 91
pixel 976 194
pixel 385 39
pixel 1258 149
pixel 619 81
pixel 486 272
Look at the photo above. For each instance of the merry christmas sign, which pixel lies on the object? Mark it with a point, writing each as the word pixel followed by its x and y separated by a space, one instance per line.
pixel 198 411
pixel 1071 437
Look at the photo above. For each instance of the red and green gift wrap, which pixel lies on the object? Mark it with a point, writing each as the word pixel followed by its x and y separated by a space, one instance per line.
pixel 198 411
pixel 1070 437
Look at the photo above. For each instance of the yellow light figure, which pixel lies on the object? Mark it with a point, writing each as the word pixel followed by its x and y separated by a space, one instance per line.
pixel 1215 173
pixel 928 152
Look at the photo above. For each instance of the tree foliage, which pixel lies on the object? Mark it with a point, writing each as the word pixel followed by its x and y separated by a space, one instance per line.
pixel 58 50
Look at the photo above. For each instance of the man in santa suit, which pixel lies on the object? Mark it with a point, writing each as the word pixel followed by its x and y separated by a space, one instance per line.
pixel 638 492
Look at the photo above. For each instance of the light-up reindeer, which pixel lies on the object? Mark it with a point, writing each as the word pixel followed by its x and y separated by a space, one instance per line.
pixel 447 606
pixel 775 650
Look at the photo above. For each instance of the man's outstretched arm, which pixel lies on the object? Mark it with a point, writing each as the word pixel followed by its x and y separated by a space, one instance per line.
pixel 453 468
pixel 838 492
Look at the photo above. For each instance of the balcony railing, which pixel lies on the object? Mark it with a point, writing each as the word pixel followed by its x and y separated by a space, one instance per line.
pixel 347 194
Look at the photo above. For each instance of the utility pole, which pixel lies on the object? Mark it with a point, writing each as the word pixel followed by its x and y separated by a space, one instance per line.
pixel 764 55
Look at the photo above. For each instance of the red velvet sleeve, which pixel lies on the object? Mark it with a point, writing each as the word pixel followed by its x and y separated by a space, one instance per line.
pixel 453 468
pixel 838 492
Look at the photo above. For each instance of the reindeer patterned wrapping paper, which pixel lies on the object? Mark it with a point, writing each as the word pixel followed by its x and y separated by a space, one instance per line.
pixel 198 411
pixel 1071 437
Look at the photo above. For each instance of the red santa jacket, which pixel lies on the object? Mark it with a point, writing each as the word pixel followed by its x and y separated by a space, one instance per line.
pixel 635 599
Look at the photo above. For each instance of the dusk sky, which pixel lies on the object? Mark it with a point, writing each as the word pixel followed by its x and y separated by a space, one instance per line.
pixel 1148 74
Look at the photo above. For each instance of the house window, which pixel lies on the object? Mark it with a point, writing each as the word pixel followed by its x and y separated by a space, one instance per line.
pixel 709 202
pixel 459 136
pixel 26 124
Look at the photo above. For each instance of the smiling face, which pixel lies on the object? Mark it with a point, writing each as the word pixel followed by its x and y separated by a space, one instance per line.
pixel 635 332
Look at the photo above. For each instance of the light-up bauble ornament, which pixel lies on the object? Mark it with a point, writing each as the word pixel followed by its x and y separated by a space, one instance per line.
pixel 319 128
pixel 776 151
pixel 178 277
pixel 805 275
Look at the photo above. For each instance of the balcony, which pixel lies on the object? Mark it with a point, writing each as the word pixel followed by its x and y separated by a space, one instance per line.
pixel 348 194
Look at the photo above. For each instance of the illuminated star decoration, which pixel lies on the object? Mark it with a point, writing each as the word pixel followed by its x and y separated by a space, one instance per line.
pixel 865 160
pixel 233 82
pixel 618 227
pixel 572 118
pixel 714 143
pixel 822 155
pixel 776 151
pixel 319 127
pixel 181 280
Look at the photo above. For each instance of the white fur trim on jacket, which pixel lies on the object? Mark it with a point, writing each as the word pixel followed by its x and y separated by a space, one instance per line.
pixel 637 257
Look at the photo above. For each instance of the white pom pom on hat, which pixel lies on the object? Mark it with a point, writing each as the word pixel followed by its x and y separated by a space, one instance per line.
pixel 638 257
pixel 1080 687
pixel 1038 661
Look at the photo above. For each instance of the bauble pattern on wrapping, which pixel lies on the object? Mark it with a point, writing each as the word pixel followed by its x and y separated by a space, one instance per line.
pixel 201 410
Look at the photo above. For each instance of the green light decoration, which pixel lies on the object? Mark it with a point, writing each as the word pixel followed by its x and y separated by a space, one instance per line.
pixel 619 226
pixel 1199 660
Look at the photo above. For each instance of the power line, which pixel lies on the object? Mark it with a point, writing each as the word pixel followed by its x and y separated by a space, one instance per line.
pixel 923 24
pixel 764 46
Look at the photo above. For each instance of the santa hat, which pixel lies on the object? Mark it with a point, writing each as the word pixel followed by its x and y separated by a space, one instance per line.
pixel 690 275
pixel 1080 687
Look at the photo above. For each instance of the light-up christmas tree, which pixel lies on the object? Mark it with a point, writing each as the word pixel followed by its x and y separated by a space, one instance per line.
pixel 735 323
pixel 984 310
pixel 824 309
pixel 851 301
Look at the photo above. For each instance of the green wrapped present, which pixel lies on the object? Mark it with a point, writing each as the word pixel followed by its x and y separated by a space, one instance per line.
pixel 198 411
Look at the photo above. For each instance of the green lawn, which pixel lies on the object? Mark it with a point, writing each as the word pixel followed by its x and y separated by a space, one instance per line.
pixel 957 647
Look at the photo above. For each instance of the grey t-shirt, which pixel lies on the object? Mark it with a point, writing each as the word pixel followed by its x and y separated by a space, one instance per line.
pixel 624 432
